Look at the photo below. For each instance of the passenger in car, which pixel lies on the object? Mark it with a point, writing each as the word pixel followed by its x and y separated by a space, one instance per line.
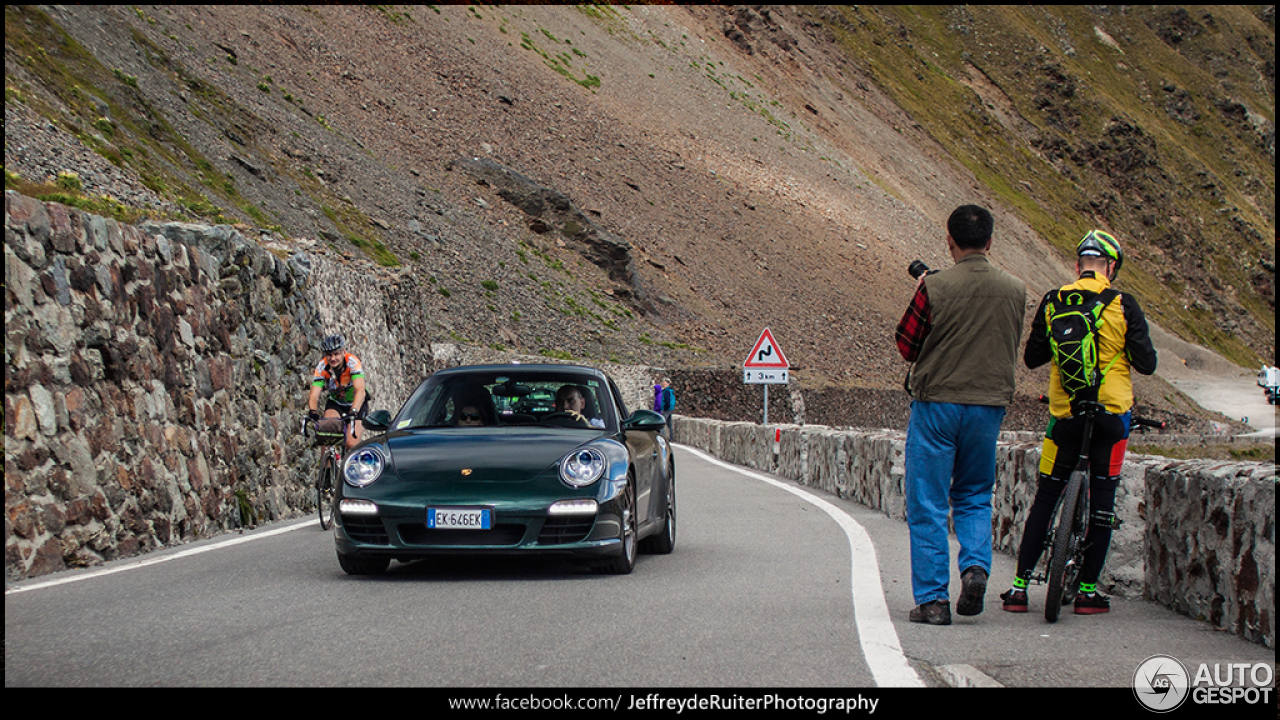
pixel 469 416
pixel 473 407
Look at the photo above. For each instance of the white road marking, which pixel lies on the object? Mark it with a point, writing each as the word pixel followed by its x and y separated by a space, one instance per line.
pixel 876 633
pixel 880 645
pixel 157 559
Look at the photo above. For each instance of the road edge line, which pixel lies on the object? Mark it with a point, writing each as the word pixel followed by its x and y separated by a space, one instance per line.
pixel 127 565
pixel 881 647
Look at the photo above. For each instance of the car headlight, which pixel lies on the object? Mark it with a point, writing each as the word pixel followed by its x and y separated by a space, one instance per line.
pixel 582 467
pixel 364 466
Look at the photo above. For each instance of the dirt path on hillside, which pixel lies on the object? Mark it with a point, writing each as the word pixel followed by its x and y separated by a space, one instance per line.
pixel 1214 383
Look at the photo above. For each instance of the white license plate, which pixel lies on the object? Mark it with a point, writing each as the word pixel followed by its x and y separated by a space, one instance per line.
pixel 460 518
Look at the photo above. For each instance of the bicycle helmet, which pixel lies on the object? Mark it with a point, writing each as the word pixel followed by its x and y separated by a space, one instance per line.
pixel 331 344
pixel 1101 244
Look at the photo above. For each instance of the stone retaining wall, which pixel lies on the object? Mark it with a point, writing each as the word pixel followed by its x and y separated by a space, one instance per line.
pixel 156 376
pixel 153 385
pixel 1197 536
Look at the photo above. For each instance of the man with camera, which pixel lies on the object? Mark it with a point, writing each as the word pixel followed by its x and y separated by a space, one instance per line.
pixel 961 331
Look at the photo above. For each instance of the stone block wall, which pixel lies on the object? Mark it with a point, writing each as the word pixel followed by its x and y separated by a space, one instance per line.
pixel 151 385
pixel 156 376
pixel 1211 543
pixel 1196 536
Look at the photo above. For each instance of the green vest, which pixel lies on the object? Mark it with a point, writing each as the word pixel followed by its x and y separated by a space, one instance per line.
pixel 970 353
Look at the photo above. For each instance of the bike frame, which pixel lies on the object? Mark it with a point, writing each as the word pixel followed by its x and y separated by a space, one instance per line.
pixel 328 476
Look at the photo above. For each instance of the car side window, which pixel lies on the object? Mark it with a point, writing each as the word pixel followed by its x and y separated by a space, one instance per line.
pixel 618 402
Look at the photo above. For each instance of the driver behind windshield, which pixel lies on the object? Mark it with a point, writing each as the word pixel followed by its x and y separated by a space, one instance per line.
pixel 572 399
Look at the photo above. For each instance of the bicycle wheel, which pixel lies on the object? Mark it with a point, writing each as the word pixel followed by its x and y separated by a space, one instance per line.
pixel 325 492
pixel 1064 561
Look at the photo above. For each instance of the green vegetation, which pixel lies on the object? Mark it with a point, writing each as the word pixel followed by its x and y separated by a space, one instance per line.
pixel 349 221
pixel 131 132
pixel 561 62
pixel 1072 133
pixel 103 205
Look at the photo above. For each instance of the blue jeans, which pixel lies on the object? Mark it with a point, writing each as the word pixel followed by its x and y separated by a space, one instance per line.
pixel 950 465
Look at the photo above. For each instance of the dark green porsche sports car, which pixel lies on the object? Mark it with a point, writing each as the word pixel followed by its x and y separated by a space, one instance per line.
pixel 510 459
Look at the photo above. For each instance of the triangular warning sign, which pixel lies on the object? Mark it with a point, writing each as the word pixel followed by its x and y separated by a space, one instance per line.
pixel 766 353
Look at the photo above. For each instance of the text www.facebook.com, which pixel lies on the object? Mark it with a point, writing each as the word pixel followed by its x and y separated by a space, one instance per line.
pixel 659 702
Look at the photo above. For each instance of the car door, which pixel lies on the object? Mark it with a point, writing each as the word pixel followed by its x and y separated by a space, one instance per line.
pixel 644 450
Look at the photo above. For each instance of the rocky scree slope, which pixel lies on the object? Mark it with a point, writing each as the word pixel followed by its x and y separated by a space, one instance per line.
pixel 687 175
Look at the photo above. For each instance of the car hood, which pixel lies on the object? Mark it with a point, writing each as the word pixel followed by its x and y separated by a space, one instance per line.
pixel 507 455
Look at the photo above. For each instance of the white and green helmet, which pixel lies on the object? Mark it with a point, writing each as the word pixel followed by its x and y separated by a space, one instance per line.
pixel 1101 244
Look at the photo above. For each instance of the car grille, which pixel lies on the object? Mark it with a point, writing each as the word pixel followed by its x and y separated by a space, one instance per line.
pixel 562 530
pixel 418 534
pixel 365 530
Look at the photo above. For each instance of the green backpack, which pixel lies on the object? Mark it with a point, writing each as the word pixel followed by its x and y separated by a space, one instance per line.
pixel 1074 318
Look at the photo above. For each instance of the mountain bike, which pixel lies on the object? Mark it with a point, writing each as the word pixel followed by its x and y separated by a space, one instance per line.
pixel 330 434
pixel 1067 539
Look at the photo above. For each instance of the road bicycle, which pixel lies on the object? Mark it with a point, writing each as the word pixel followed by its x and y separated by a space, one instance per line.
pixel 330 434
pixel 1067 539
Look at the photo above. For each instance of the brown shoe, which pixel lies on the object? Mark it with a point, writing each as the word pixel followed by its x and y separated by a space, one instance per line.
pixel 937 612
pixel 973 584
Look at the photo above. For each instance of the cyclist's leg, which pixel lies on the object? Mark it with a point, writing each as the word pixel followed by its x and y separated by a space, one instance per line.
pixel 1058 458
pixel 930 456
pixel 332 409
pixel 971 483
pixel 1107 450
pixel 356 427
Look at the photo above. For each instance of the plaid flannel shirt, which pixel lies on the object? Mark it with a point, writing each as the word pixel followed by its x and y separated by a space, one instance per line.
pixel 914 326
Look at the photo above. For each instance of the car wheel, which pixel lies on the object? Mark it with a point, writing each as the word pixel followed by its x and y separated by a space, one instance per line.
pixel 665 541
pixel 363 566
pixel 626 562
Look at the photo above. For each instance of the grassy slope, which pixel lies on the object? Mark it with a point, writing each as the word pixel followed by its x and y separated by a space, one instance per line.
pixel 1093 140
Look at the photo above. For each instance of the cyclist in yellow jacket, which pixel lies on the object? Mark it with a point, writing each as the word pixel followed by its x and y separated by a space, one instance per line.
pixel 1124 346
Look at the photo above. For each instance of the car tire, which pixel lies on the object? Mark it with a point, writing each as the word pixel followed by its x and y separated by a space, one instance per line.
pixel 626 562
pixel 363 566
pixel 665 541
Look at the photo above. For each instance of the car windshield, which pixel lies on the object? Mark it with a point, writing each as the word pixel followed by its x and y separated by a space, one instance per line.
pixel 506 397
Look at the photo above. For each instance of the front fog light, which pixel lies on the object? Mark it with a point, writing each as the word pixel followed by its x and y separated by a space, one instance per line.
pixel 364 466
pixel 585 506
pixel 357 507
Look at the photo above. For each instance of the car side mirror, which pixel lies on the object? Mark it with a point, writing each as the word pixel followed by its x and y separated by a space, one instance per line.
pixel 646 420
pixel 378 421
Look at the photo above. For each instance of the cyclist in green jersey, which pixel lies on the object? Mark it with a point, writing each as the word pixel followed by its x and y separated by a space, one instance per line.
pixel 339 379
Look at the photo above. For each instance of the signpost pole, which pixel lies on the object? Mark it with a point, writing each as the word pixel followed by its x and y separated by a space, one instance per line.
pixel 766 405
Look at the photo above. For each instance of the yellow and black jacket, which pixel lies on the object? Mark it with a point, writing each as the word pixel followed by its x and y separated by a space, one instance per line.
pixel 1124 332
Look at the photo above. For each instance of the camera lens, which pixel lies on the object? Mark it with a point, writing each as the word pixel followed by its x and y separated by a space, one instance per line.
pixel 917 268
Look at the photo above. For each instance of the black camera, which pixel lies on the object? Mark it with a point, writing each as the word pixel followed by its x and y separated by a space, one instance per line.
pixel 918 268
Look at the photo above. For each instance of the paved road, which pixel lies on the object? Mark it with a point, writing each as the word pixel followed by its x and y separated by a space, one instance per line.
pixel 771 585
